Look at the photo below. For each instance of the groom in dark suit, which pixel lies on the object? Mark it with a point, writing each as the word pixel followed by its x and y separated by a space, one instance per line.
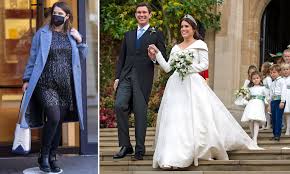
pixel 134 78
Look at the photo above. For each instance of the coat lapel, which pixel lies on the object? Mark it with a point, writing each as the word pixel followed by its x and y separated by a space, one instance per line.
pixel 45 37
pixel 133 38
pixel 145 37
pixel 145 34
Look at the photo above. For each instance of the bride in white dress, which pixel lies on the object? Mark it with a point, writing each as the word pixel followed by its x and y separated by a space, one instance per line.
pixel 192 122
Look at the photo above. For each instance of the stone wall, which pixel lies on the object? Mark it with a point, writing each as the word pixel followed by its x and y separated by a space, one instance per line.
pixel 237 46
pixel 234 48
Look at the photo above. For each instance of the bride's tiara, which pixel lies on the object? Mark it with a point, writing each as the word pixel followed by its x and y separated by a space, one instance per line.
pixel 187 16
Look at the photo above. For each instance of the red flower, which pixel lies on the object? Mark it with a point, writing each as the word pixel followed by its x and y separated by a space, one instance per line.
pixel 107 117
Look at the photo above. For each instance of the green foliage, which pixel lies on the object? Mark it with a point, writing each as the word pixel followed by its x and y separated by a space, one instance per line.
pixel 117 17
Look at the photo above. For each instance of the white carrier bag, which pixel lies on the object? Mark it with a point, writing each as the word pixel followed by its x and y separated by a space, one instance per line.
pixel 22 136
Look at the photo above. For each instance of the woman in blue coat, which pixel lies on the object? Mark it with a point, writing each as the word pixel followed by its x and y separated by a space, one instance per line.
pixel 52 81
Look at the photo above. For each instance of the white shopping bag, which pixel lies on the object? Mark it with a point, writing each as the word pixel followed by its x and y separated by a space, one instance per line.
pixel 22 136
pixel 22 140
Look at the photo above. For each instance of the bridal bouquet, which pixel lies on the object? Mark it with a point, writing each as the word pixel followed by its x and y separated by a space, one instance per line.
pixel 242 96
pixel 181 63
pixel 244 92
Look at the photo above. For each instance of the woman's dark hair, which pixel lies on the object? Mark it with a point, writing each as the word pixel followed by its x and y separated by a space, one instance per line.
pixel 194 26
pixel 251 84
pixel 65 7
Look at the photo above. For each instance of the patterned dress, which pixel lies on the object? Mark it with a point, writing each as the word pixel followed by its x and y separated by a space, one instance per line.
pixel 55 85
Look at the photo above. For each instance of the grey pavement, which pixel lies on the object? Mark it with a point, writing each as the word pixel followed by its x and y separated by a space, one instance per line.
pixel 71 164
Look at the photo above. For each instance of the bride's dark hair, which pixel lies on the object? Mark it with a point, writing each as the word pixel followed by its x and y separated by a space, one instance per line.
pixel 196 34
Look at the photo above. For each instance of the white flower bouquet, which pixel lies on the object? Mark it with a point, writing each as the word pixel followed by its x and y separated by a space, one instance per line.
pixel 181 63
pixel 242 96
pixel 244 92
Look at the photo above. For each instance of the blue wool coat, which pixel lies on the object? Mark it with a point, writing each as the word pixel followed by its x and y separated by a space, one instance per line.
pixel 31 113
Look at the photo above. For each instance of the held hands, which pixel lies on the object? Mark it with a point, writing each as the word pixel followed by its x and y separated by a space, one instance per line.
pixel 76 35
pixel 152 51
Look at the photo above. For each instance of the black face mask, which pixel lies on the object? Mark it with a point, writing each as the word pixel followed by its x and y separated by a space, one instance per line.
pixel 57 20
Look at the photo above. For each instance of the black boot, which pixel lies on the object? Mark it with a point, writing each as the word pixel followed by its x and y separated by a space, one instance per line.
pixel 52 161
pixel 43 161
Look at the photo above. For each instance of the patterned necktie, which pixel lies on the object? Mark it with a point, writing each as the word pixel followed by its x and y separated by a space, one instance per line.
pixel 141 31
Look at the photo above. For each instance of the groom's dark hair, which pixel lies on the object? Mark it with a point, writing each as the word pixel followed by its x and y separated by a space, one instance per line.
pixel 144 4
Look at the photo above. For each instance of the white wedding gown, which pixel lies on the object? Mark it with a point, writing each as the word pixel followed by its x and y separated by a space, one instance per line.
pixel 192 122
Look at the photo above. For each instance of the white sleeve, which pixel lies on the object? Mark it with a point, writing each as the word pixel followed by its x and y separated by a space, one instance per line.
pixel 271 92
pixel 162 62
pixel 267 94
pixel 203 64
pixel 246 83
pixel 269 81
pixel 284 90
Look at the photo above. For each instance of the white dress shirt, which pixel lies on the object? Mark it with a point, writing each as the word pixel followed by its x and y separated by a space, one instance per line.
pixel 267 82
pixel 278 87
pixel 145 29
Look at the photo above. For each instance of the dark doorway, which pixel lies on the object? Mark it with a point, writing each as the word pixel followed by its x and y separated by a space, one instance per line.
pixel 275 28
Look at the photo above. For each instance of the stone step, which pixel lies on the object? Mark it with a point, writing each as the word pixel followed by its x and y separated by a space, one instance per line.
pixel 267 154
pixel 130 129
pixel 151 133
pixel 214 165
pixel 273 158
pixel 104 130
pixel 195 172
pixel 132 138
pixel 265 136
pixel 131 133
pixel 114 133
pixel 149 143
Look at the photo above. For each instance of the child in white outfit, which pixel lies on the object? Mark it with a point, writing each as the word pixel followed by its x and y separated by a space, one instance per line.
pixel 267 82
pixel 254 112
pixel 252 68
pixel 286 74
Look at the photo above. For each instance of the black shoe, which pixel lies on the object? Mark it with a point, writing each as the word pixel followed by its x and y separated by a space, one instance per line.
pixel 277 138
pixel 137 157
pixel 43 163
pixel 52 162
pixel 123 152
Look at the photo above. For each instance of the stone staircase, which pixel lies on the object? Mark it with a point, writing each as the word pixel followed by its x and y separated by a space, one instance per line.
pixel 274 159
